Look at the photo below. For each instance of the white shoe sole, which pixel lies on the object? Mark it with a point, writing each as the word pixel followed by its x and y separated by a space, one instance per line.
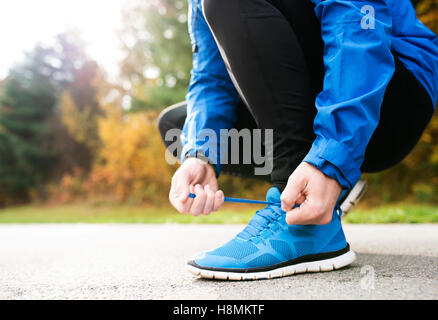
pixel 314 266
pixel 354 197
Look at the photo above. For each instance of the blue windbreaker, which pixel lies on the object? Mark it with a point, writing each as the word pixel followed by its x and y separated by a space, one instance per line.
pixel 359 64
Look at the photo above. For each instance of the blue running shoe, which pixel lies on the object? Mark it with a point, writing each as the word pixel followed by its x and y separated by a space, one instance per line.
pixel 270 248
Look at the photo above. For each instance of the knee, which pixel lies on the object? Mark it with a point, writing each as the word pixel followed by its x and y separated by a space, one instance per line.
pixel 213 9
pixel 230 14
pixel 208 6
pixel 163 121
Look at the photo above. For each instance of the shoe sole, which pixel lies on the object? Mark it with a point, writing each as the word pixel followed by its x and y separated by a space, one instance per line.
pixel 354 197
pixel 313 266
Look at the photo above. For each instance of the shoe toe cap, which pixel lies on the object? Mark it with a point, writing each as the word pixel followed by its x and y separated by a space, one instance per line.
pixel 207 260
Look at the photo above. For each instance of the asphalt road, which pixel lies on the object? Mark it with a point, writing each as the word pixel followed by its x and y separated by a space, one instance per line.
pixel 148 262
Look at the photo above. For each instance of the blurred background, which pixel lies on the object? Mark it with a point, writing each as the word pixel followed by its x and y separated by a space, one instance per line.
pixel 81 86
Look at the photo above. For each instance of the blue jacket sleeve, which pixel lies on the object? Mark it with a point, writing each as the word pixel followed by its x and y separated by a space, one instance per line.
pixel 212 98
pixel 358 67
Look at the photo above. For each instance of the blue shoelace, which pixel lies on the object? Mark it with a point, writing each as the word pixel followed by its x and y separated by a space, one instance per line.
pixel 262 218
pixel 238 200
pixel 261 221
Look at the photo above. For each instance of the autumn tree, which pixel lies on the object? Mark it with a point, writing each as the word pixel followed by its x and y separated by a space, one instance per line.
pixel 49 110
pixel 158 56
pixel 27 100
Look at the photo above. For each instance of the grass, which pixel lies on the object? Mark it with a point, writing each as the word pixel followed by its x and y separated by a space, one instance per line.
pixel 397 213
pixel 114 214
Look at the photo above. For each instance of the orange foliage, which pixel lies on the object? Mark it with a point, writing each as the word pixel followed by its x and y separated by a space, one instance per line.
pixel 130 164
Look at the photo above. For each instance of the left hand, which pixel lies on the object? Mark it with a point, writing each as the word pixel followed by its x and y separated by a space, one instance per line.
pixel 314 192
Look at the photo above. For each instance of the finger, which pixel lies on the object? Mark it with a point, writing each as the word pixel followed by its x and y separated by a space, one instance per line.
pixel 298 215
pixel 198 205
pixel 301 199
pixel 176 203
pixel 179 194
pixel 179 190
pixel 310 212
pixel 219 199
pixel 292 192
pixel 188 204
pixel 183 207
pixel 182 189
pixel 209 203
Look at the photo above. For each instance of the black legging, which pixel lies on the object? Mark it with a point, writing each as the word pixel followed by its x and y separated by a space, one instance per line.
pixel 274 50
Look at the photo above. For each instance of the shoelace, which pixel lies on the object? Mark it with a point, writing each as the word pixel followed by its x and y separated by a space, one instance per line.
pixel 238 200
pixel 261 221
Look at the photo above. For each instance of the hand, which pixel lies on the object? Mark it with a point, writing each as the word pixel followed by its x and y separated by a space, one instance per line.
pixel 198 177
pixel 314 192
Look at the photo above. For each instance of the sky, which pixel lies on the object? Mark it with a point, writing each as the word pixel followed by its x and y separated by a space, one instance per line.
pixel 24 23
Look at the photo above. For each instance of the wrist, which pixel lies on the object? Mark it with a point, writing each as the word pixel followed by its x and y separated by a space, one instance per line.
pixel 202 158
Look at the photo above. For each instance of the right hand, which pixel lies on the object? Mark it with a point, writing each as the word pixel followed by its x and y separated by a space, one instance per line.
pixel 198 177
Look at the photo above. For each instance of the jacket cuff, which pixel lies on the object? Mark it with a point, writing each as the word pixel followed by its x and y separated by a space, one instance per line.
pixel 334 160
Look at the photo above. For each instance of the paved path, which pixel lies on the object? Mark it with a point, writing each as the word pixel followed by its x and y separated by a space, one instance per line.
pixel 147 262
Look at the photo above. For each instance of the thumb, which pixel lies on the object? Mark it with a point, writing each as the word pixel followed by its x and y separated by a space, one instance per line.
pixel 180 189
pixel 298 215
pixel 183 192
pixel 292 193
